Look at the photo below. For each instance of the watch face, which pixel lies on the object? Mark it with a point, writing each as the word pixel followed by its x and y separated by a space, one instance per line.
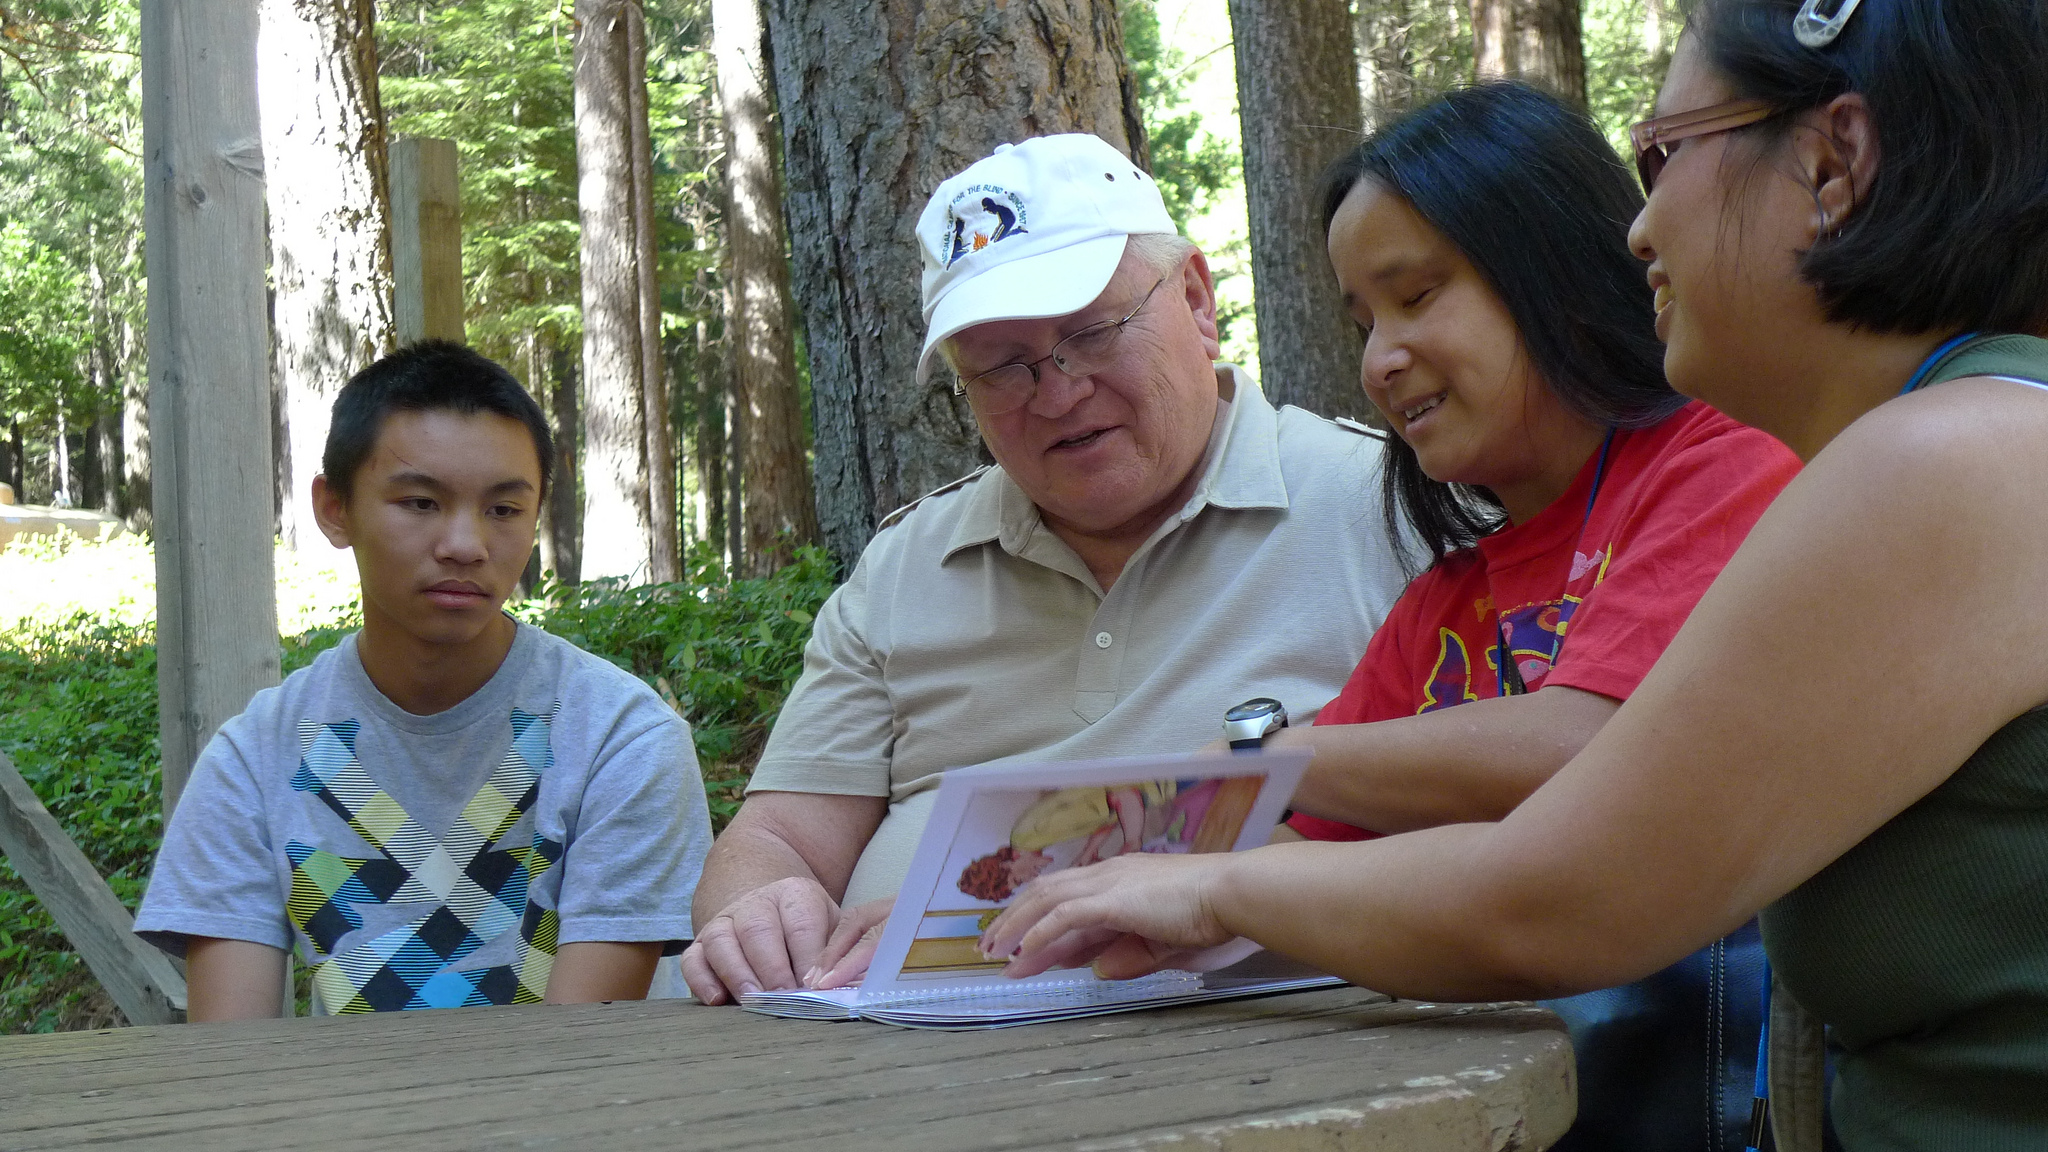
pixel 1253 709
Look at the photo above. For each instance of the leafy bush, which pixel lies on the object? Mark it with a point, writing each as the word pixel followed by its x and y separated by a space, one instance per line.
pixel 81 723
pixel 723 653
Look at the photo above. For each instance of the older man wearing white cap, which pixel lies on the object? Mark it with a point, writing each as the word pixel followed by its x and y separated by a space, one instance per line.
pixel 1154 544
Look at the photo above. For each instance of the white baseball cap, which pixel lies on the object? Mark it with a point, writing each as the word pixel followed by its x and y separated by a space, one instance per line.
pixel 1035 229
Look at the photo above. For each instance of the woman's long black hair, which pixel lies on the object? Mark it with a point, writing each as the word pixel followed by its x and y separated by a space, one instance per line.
pixel 1530 193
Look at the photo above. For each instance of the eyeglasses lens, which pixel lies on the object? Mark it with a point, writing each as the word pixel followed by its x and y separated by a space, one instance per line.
pixel 1004 390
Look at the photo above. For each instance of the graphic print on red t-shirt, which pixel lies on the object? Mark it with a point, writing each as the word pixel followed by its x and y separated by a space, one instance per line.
pixel 1605 591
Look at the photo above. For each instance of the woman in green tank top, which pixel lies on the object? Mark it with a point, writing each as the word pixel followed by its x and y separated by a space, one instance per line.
pixel 1845 735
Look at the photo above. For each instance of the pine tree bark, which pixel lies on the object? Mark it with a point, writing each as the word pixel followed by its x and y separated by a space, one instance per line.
pixel 561 543
pixel 625 412
pixel 880 102
pixel 666 553
pixel 1298 105
pixel 1537 40
pixel 326 186
pixel 775 492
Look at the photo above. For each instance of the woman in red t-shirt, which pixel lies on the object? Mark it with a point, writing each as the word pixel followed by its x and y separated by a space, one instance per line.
pixel 1573 507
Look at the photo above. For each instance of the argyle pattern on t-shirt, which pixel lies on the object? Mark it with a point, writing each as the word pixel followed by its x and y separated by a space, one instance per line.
pixel 475 893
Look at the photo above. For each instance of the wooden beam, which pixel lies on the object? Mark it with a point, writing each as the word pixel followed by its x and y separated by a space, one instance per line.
pixel 426 240
pixel 142 981
pixel 209 371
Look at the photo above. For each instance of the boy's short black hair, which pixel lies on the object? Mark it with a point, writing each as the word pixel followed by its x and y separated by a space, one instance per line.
pixel 430 376
pixel 1952 234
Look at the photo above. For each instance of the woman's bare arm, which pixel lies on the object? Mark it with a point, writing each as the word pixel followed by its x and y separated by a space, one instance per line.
pixel 1879 624
pixel 1470 763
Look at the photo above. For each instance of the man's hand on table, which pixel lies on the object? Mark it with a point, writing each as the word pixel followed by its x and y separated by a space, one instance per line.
pixel 852 947
pixel 766 939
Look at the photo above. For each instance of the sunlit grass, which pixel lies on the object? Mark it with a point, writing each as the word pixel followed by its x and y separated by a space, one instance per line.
pixel 48 579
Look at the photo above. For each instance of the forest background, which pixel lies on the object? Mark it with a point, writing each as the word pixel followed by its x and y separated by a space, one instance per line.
pixel 740 515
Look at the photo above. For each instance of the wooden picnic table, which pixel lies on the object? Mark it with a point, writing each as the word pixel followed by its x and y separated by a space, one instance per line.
pixel 1337 1069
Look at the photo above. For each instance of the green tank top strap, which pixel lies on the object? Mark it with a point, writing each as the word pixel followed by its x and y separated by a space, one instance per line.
pixel 2015 357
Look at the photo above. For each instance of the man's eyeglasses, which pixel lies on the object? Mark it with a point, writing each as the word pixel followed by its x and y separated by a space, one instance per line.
pixel 1652 138
pixel 1084 353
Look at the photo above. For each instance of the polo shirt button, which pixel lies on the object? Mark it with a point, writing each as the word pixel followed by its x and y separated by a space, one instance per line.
pixel 1102 640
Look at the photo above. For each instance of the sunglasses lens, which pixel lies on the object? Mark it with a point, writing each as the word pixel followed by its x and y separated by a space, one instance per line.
pixel 1649 162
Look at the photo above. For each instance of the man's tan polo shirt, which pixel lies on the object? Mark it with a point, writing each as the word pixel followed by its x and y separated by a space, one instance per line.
pixel 970 634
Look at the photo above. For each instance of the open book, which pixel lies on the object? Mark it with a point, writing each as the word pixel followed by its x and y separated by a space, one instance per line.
pixel 994 828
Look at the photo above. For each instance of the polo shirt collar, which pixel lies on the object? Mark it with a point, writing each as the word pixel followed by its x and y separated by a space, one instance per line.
pixel 1241 469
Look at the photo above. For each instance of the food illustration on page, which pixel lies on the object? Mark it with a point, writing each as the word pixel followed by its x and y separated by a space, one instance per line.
pixel 1008 837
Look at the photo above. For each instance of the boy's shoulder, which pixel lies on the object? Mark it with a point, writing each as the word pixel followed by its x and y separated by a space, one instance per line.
pixel 540 669
pixel 586 682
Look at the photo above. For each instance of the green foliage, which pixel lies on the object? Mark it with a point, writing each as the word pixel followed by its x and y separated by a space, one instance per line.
pixel 1628 48
pixel 723 653
pixel 498 78
pixel 71 292
pixel 1190 163
pixel 81 724
pixel 43 329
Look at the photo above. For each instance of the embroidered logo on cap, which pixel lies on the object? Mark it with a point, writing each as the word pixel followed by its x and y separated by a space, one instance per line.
pixel 981 215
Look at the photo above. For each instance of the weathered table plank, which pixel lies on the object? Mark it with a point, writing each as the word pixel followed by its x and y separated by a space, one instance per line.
pixel 1340 1069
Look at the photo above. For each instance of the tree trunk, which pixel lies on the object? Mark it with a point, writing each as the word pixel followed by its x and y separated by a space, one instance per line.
pixel 880 102
pixel 1297 96
pixel 618 521
pixel 776 499
pixel 325 181
pixel 563 544
pixel 1535 40
pixel 711 446
pixel 135 490
pixel 666 555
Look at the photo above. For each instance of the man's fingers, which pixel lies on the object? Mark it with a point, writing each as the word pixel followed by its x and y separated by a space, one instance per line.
pixel 729 960
pixel 854 964
pixel 762 952
pixel 703 982
pixel 857 925
pixel 807 918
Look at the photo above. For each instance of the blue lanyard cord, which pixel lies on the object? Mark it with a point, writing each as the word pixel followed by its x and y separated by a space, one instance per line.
pixel 1508 678
pixel 1933 358
pixel 1760 1106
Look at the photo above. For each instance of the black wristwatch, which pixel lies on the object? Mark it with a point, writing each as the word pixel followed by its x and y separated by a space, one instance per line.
pixel 1247 725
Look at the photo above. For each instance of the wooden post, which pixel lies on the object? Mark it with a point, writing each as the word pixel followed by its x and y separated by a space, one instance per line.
pixel 144 983
pixel 209 371
pixel 426 240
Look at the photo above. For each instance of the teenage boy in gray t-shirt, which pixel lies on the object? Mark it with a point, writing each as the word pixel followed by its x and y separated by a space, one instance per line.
pixel 449 807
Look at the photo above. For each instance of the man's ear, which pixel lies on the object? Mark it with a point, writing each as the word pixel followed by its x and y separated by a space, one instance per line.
pixel 1199 287
pixel 330 510
pixel 1837 153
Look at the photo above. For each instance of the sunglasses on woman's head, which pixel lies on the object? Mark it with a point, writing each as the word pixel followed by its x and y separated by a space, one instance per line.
pixel 1652 138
